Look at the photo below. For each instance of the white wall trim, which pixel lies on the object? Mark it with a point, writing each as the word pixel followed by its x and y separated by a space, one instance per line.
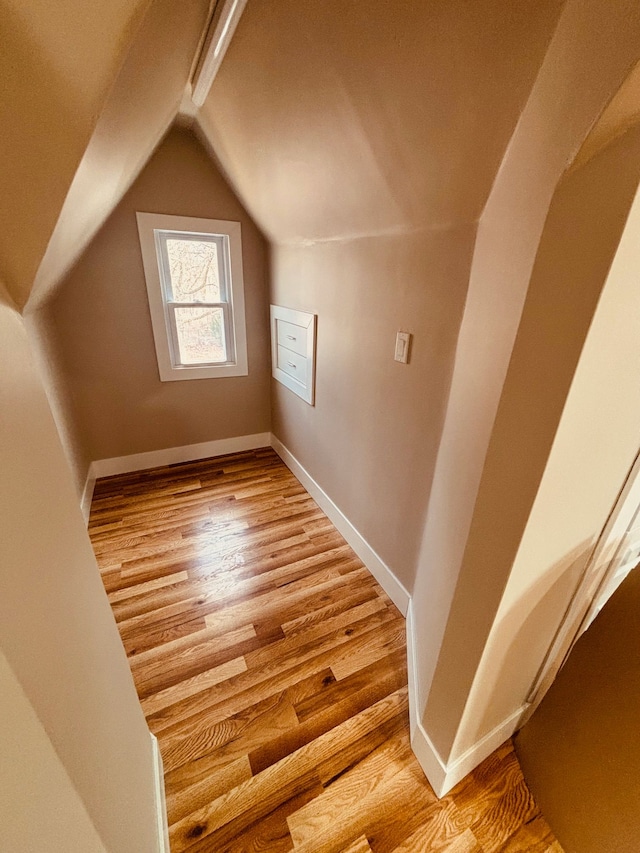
pixel 228 234
pixel 171 455
pixel 428 757
pixel 161 802
pixel 376 565
pixel 442 776
pixel 476 754
pixel 87 494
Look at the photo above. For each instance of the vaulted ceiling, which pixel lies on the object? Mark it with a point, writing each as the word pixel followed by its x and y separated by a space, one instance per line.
pixel 338 119
pixel 331 120
pixel 57 64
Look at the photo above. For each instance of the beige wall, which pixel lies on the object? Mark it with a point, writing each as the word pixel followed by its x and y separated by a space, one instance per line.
pixel 482 471
pixel 621 114
pixel 339 122
pixel 47 354
pixel 101 317
pixel 365 142
pixel 580 752
pixel 348 166
pixel 372 436
pixel 404 192
pixel 57 64
pixel 141 105
pixel 597 438
pixel 57 631
pixel 33 782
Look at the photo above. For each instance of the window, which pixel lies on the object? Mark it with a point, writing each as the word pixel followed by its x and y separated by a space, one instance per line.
pixel 193 269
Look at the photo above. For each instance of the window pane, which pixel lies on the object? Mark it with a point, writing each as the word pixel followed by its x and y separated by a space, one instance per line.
pixel 200 334
pixel 193 267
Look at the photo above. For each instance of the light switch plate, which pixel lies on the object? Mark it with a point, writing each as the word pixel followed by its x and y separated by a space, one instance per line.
pixel 403 340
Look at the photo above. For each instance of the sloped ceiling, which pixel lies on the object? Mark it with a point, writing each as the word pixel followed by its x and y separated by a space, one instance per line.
pixel 335 120
pixel 57 63
pixel 622 113
pixel 141 105
pixel 332 120
pixel 87 91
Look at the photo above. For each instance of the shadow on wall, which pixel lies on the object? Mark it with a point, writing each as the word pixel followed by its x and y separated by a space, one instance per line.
pixel 36 96
pixel 520 634
pixel 580 752
pixel 518 531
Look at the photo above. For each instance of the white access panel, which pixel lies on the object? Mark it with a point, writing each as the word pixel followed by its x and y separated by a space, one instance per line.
pixel 293 350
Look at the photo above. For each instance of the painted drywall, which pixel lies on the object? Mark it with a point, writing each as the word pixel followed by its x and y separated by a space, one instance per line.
pixel 330 158
pixel 621 114
pixel 340 121
pixel 581 236
pixel 139 108
pixel 34 782
pixel 45 346
pixel 580 752
pixel 331 148
pixel 373 433
pixel 597 438
pixel 141 105
pixel 57 64
pixel 460 580
pixel 365 140
pixel 57 631
pixel 102 322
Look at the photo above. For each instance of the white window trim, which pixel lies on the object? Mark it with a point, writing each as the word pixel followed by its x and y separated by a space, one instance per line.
pixel 148 223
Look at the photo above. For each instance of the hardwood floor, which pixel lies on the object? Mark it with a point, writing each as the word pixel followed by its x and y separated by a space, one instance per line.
pixel 272 668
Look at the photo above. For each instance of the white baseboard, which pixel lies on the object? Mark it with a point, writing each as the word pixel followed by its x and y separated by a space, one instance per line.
pixel 444 776
pixel 161 802
pixel 378 568
pixel 87 494
pixel 476 754
pixel 428 757
pixel 171 455
pixel 166 456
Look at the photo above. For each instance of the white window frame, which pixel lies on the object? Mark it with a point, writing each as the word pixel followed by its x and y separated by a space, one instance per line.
pixel 150 229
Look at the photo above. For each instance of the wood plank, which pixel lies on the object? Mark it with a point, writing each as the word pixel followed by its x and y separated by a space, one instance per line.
pixel 360 845
pixel 496 799
pixel 535 836
pixel 270 833
pixel 347 794
pixel 190 686
pixel 425 823
pixel 147 666
pixel 259 795
pixel 147 586
pixel 379 803
pixel 202 767
pixel 235 736
pixel 252 686
pixel 185 798
pixel 272 666
pixel 332 714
